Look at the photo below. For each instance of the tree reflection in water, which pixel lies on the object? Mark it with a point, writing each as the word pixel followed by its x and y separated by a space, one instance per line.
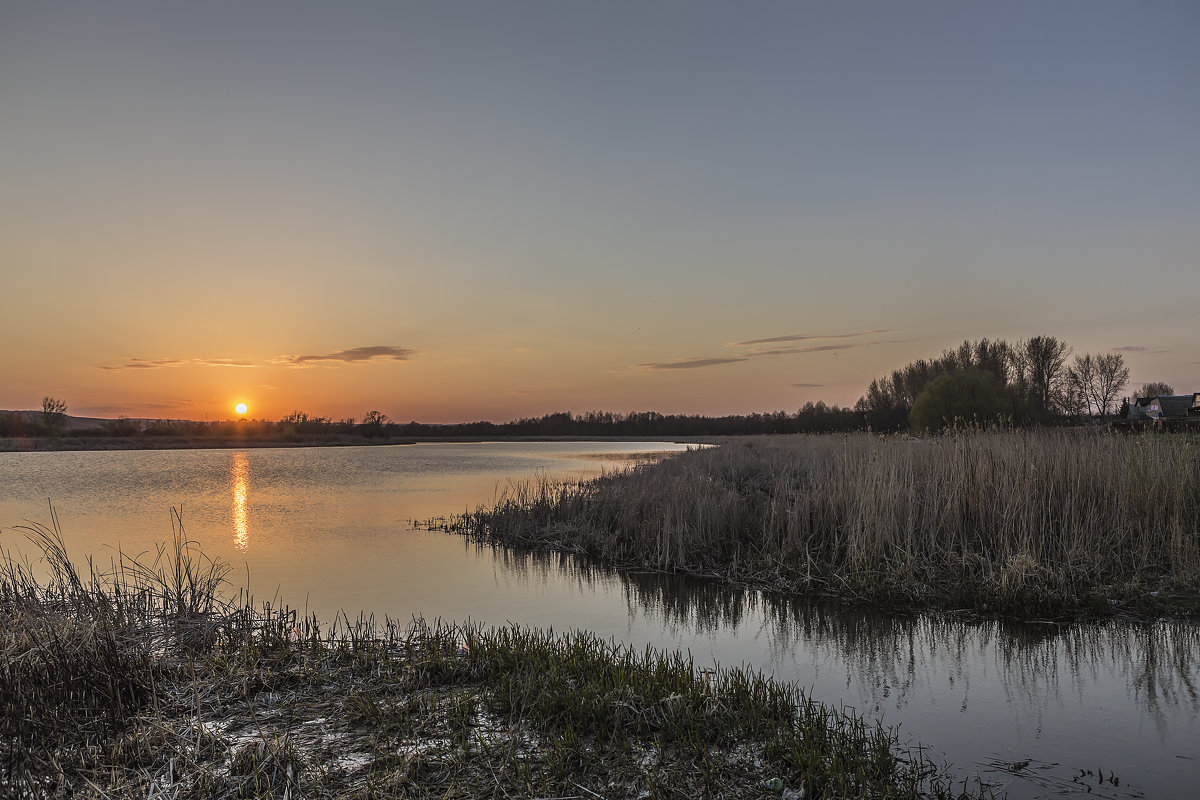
pixel 891 658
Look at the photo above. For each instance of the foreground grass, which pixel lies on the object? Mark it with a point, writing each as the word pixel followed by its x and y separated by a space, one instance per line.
pixel 143 682
pixel 1033 523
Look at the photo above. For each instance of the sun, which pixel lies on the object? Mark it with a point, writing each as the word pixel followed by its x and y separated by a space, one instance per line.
pixel 241 409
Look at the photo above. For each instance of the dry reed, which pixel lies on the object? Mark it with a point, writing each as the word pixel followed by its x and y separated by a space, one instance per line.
pixel 1041 522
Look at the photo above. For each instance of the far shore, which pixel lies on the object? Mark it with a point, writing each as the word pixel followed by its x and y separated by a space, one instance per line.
pixel 96 443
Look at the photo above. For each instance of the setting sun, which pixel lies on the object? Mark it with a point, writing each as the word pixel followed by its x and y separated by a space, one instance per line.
pixel 240 408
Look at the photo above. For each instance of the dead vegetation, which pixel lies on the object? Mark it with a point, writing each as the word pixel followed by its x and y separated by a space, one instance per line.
pixel 1024 522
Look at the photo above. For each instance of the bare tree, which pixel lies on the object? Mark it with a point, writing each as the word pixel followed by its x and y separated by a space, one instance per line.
pixel 1094 382
pixel 1075 399
pixel 1111 377
pixel 1040 368
pixel 54 414
pixel 375 418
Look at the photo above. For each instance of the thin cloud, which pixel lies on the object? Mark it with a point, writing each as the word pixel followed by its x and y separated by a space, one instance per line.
pixel 816 348
pixel 808 385
pixel 224 362
pixel 805 338
pixel 696 363
pixel 1135 349
pixel 161 363
pixel 353 355
pixel 148 363
pixel 690 363
pixel 819 348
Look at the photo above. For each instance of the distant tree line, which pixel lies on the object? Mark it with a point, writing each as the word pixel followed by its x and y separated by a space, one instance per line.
pixel 811 418
pixel 299 426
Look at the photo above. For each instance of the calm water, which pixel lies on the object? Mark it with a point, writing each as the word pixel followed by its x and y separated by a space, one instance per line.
pixel 330 528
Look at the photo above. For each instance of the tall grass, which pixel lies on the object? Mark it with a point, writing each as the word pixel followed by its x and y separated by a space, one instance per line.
pixel 1035 521
pixel 82 653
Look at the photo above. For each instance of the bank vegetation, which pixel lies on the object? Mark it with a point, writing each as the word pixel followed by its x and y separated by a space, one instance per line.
pixel 148 680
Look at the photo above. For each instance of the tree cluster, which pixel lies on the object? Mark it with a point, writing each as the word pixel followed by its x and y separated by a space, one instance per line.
pixel 994 382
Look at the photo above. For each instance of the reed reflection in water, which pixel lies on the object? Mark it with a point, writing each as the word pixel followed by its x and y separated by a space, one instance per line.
pixel 1120 693
pixel 1038 661
pixel 240 472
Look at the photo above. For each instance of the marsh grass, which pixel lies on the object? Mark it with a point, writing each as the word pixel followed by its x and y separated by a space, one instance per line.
pixel 142 681
pixel 1028 522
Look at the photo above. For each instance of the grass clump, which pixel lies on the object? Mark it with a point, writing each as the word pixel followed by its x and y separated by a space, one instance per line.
pixel 1027 522
pixel 145 681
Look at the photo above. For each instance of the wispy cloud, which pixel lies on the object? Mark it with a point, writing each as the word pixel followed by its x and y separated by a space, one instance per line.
pixel 160 363
pixel 808 385
pixel 806 337
pixel 352 355
pixel 690 363
pixel 224 362
pixel 1136 349
pixel 696 363
pixel 819 348
pixel 148 363
pixel 814 348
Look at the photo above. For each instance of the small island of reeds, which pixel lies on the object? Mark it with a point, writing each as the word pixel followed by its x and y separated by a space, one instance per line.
pixel 1032 523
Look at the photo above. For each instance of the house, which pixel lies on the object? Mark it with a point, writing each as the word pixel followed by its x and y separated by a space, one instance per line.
pixel 1167 411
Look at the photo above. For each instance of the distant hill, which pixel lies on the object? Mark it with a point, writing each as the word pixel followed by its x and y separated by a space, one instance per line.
pixel 72 423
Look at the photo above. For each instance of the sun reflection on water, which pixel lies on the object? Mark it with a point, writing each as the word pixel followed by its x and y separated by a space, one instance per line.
pixel 241 487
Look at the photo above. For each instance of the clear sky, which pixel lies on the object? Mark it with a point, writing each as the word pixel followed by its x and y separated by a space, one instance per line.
pixel 453 211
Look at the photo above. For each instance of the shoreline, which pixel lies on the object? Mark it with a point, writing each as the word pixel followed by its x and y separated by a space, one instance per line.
pixel 135 685
pixel 100 444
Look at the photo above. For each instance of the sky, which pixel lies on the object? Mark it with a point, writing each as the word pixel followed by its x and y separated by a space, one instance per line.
pixel 454 211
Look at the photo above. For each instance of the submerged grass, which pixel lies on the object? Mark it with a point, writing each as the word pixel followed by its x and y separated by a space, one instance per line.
pixel 1033 522
pixel 144 681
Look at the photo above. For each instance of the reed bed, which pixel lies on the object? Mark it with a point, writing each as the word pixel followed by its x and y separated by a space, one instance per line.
pixel 151 681
pixel 1028 522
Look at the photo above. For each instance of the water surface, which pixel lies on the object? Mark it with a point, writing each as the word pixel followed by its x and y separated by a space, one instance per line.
pixel 331 528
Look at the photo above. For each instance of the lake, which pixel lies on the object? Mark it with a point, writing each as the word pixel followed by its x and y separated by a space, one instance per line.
pixel 331 529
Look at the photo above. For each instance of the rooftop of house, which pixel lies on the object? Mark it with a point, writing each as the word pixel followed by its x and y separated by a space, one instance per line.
pixel 1167 405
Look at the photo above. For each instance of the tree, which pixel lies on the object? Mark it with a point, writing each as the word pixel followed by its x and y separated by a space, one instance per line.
pixel 54 414
pixel 1156 389
pixel 961 395
pixel 882 410
pixel 889 400
pixel 372 424
pixel 1040 367
pixel 1111 377
pixel 1094 382
pixel 296 418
